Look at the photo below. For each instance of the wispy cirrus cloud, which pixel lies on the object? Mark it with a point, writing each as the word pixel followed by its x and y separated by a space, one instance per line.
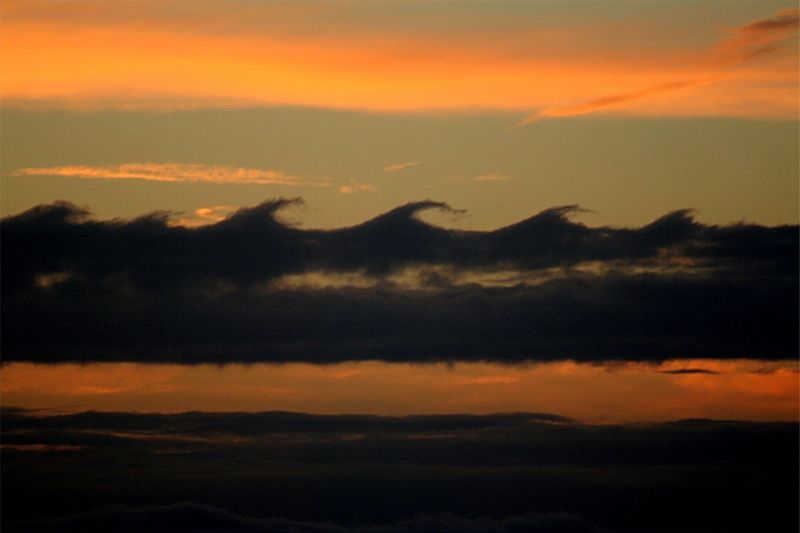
pixel 492 177
pixel 604 102
pixel 174 172
pixel 400 166
pixel 759 37
pixel 747 42
pixel 487 177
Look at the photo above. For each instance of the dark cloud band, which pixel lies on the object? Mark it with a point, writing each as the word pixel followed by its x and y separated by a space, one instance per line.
pixel 79 289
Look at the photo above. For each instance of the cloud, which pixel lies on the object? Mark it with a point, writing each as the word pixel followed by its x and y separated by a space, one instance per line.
pixel 759 37
pixel 400 166
pixel 590 319
pixel 173 172
pixel 205 215
pixel 200 518
pixel 491 177
pixel 355 186
pixel 25 426
pixel 607 101
pixel 145 290
pixel 299 472
pixel 679 371
pixel 747 42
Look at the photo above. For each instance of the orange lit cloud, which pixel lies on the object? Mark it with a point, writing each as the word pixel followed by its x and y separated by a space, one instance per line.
pixel 747 42
pixel 400 166
pixel 760 37
pixel 172 172
pixel 355 186
pixel 206 215
pixel 607 101
pixel 103 55
pixel 491 177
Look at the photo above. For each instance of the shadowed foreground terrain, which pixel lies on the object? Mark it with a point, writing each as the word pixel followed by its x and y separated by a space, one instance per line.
pixel 284 471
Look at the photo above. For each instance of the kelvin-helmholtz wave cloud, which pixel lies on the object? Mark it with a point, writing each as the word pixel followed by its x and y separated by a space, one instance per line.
pixel 253 288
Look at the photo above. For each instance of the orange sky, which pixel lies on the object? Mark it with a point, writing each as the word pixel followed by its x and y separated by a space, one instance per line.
pixel 753 390
pixel 537 59
pixel 101 60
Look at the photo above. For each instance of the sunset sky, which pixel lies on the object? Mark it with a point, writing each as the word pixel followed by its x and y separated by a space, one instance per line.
pixel 584 211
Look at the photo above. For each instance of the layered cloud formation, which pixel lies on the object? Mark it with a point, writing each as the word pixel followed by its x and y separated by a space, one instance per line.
pixel 252 288
pixel 296 472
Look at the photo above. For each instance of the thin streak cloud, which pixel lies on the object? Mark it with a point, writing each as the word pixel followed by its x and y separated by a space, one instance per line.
pixel 747 42
pixel 174 172
pixel 400 166
pixel 492 177
pixel 608 101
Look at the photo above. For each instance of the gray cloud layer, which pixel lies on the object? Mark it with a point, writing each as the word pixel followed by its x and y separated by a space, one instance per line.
pixel 80 289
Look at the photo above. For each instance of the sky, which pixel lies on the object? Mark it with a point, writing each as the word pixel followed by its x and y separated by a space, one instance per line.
pixel 366 235
pixel 628 109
